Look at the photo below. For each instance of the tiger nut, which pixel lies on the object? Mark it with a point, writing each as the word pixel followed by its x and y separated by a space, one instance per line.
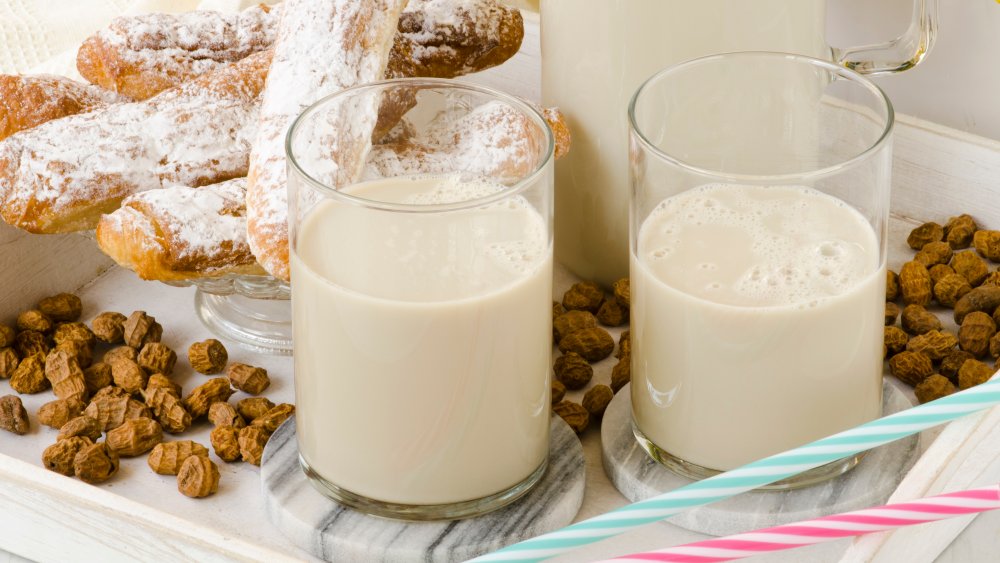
pixel 13 417
pixel 79 349
pixel 274 418
pixel 7 335
pixel 8 362
pixel 911 367
pixel 55 414
pixel 112 410
pixel 951 363
pixel 593 344
pixel 63 307
pixel 597 399
pixel 934 387
pixel 95 463
pixel 249 379
pixel 891 285
pixel 225 442
pixel 573 321
pixel 160 381
pixel 252 440
pixel 972 373
pixel 109 327
pixel 938 272
pixel 612 313
pixel 969 265
pixel 924 234
pixel 623 292
pixel 135 437
pixel 958 231
pixel 140 329
pixel 621 374
pixel 128 375
pixel 74 331
pixel 156 357
pixel 934 344
pixel 198 477
pixel 915 284
pixel 891 313
pixel 934 253
pixel 575 415
pixel 573 371
pixel 224 414
pixel 29 377
pixel 917 320
pixel 97 376
pixel 253 407
pixel 82 425
pixel 987 244
pixel 995 345
pixel 558 391
pixel 31 342
pixel 167 457
pixel 985 299
pixel 59 456
pixel 169 410
pixel 950 289
pixel 34 320
pixel 583 296
pixel 894 339
pixel 202 396
pixel 208 357
pixel 624 344
pixel 991 280
pixel 975 333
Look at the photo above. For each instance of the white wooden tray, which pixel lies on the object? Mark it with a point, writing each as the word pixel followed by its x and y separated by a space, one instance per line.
pixel 140 516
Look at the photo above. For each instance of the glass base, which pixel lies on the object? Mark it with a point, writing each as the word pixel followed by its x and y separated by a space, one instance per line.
pixel 260 325
pixel 452 511
pixel 697 472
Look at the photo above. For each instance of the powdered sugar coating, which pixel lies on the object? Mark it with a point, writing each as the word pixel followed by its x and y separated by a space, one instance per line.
pixel 322 48
pixel 27 101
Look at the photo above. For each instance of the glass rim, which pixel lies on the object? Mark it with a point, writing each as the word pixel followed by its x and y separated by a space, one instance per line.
pixel 423 83
pixel 840 71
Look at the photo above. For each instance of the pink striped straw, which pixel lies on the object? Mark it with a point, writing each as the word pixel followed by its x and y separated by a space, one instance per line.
pixel 827 528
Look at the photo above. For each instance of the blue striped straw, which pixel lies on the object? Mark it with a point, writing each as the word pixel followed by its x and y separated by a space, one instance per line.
pixel 753 475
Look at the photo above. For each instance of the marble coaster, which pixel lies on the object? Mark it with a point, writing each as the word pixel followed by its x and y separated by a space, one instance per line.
pixel 334 532
pixel 871 483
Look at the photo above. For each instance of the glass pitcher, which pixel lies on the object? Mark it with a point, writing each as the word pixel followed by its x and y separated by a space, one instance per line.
pixel 595 53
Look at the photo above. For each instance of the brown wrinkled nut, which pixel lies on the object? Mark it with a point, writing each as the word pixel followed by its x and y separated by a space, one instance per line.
pixel 975 333
pixel 254 407
pixel 160 381
pixel 894 339
pixel 926 233
pixel 135 437
pixel 934 387
pixel 121 353
pixel 34 320
pixel 911 367
pixel 208 357
pixel 59 456
pixel 110 392
pixel 934 253
pixel 83 353
pixel 156 357
pixel 112 411
pixel 987 244
pixel 938 272
pixel 13 417
pixel 198 477
pixel 917 320
pixel 82 425
pixel 167 457
pixel 273 418
pixel 7 335
pixel 891 285
pixel 224 414
pixel 621 374
pixel 915 284
pixel 30 342
pixel 985 299
pixel 202 396
pixel 96 463
pixel 995 345
pixel 950 289
pixel 55 414
pixel 891 313
pixel 226 442
pixel 958 231
pixel 141 329
pixel 97 376
pixel 991 280
pixel 109 327
pixel 168 409
pixel 934 344
pixel 969 265
pixel 575 415
pixel 29 377
pixel 583 296
pixel 571 322
pixel 624 345
pixel 952 363
pixel 128 375
pixel 573 371
pixel 612 313
pixel 252 440
pixel 64 307
pixel 597 399
pixel 972 373
pixel 623 292
pixel 74 331
pixel 594 344
pixel 249 379
pixel 65 375
pixel 558 391
pixel 8 362
pixel 557 309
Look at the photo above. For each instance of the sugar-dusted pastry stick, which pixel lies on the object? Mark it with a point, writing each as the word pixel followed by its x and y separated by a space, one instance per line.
pixel 321 48
pixel 28 100
pixel 139 56
pixel 181 233
pixel 62 175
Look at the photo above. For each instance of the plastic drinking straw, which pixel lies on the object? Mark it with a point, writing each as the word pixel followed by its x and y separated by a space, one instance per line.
pixel 755 474
pixel 827 528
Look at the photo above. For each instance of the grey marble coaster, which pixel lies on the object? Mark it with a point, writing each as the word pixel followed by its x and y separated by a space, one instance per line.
pixel 638 477
pixel 333 532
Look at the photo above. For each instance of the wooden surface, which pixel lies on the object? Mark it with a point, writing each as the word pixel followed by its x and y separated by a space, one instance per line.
pixel 140 516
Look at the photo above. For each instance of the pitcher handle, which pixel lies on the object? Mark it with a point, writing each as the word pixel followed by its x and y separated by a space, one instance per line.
pixel 899 54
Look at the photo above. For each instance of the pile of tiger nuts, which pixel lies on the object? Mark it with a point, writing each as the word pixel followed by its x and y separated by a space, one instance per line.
pixel 582 343
pixel 952 268
pixel 129 397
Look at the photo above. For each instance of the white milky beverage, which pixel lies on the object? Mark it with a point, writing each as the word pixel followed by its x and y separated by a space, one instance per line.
pixel 422 343
pixel 596 53
pixel 756 322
